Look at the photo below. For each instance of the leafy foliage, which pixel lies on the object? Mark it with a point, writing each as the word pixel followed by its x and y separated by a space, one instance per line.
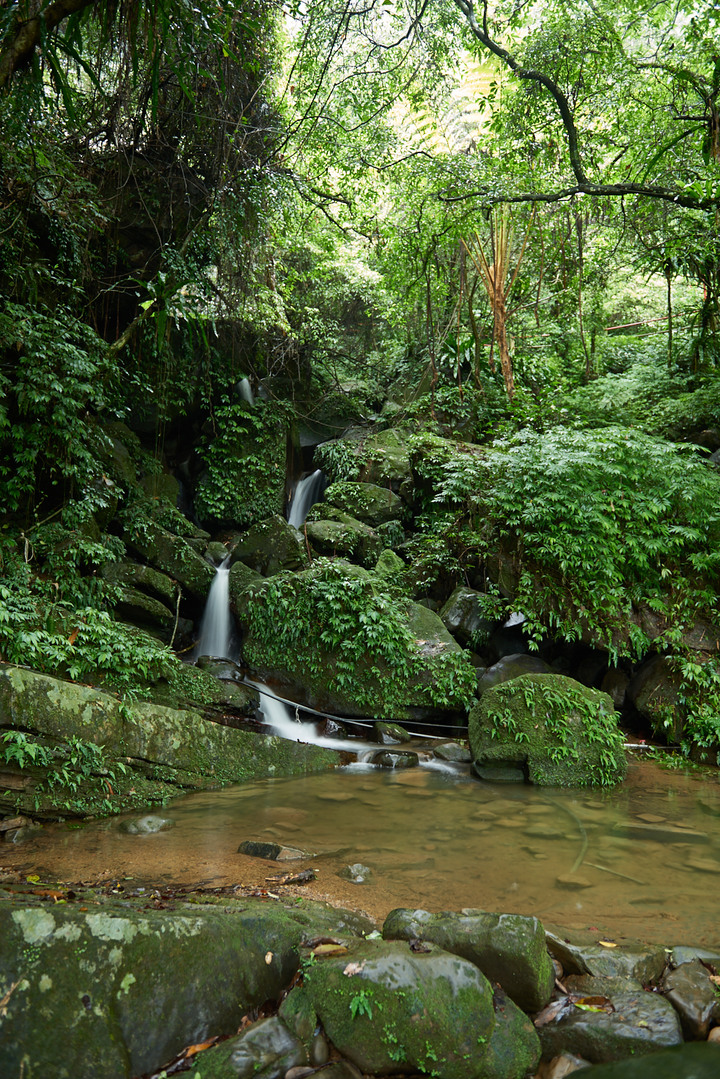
pixel 352 618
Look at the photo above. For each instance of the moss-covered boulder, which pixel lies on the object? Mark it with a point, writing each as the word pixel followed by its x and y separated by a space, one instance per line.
pixel 340 535
pixel 108 989
pixel 508 948
pixel 379 457
pixel 173 750
pixel 464 616
pixel 391 1010
pixel 559 732
pixel 142 578
pixel 265 1050
pixel 366 501
pixel 173 555
pixel 271 546
pixel 337 641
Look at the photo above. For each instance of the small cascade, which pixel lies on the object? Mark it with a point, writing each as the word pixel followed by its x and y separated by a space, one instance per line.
pixel 307 492
pixel 216 625
pixel 244 391
pixel 278 715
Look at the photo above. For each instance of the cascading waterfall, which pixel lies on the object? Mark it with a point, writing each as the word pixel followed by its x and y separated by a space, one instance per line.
pixel 307 492
pixel 278 715
pixel 216 625
pixel 244 391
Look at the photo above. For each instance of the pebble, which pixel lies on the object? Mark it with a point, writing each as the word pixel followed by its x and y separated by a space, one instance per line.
pixel 573 882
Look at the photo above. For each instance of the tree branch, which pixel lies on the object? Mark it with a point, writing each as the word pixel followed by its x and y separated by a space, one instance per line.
pixel 651 191
pixel 21 42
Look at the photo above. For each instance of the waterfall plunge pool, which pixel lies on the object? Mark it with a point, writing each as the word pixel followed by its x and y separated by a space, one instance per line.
pixel 639 862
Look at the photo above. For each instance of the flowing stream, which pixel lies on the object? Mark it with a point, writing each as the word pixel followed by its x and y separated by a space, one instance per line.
pixel 640 862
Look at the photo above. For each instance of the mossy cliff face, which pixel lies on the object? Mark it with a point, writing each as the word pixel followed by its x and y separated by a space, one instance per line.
pixel 100 989
pixel 562 733
pixel 177 748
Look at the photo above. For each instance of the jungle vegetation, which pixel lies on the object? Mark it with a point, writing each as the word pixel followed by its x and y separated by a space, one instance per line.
pixel 503 217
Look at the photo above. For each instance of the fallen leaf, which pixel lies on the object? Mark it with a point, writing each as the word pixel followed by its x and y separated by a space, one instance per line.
pixel 593 1004
pixel 268 958
pixel 354 968
pixel 330 949
pixel 607 943
pixel 193 1049
pixel 73 637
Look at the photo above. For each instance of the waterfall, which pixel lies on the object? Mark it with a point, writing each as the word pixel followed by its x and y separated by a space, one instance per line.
pixel 216 625
pixel 244 391
pixel 307 492
pixel 278 715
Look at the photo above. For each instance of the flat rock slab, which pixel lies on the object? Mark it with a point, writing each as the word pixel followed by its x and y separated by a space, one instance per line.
pixel 639 1022
pixel 638 961
pixel 109 989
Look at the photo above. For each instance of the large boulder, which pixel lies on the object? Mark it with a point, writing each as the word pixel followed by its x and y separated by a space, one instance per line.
pixel 380 457
pixel 337 534
pixel 557 731
pixel 336 641
pixel 271 546
pixel 508 948
pixel 366 501
pixel 463 615
pixel 108 989
pixel 131 741
pixel 509 667
pixel 390 1010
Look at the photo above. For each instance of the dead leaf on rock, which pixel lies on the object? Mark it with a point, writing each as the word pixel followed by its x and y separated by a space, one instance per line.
pixel 324 950
pixel 354 968
pixel 268 958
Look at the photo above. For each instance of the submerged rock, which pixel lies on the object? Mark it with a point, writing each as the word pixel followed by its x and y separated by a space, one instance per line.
pixel 395 758
pixel 699 1061
pixel 148 825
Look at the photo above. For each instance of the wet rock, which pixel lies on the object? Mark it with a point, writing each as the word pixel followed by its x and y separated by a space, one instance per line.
pixel 510 667
pixel 389 734
pixel 319 1051
pixel 463 616
pixel 343 537
pixel 684 954
pixel 339 1069
pixel 266 1050
pixel 564 733
pixel 501 771
pixel 357 873
pixel 216 552
pixel 395 758
pixel 699 1061
pixel 298 1014
pixel 104 978
pixel 508 948
pixel 223 669
pixel 272 852
pixel 369 1002
pixel 453 752
pixel 514 1046
pixel 148 825
pixel 639 1022
pixel 694 997
pixel 638 961
pixel 573 882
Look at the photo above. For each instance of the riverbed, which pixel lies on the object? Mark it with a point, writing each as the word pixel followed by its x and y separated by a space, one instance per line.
pixel 639 862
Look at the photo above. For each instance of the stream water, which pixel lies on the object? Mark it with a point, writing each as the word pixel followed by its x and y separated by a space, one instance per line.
pixel 640 862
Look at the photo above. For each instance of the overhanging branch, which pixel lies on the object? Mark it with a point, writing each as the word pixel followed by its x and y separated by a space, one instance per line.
pixel 23 39
pixel 650 191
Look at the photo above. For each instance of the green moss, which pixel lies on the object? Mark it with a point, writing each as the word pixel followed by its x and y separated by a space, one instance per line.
pixel 565 733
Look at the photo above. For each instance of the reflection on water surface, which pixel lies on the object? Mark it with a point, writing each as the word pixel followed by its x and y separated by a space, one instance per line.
pixel 642 861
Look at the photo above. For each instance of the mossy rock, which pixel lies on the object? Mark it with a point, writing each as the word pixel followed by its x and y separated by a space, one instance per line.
pixel 177 747
pixel 337 642
pixel 345 537
pixel 390 1010
pixel 365 501
pixel 101 994
pixel 560 732
pixel 172 555
pixel 509 949
pixel 144 578
pixel 271 546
